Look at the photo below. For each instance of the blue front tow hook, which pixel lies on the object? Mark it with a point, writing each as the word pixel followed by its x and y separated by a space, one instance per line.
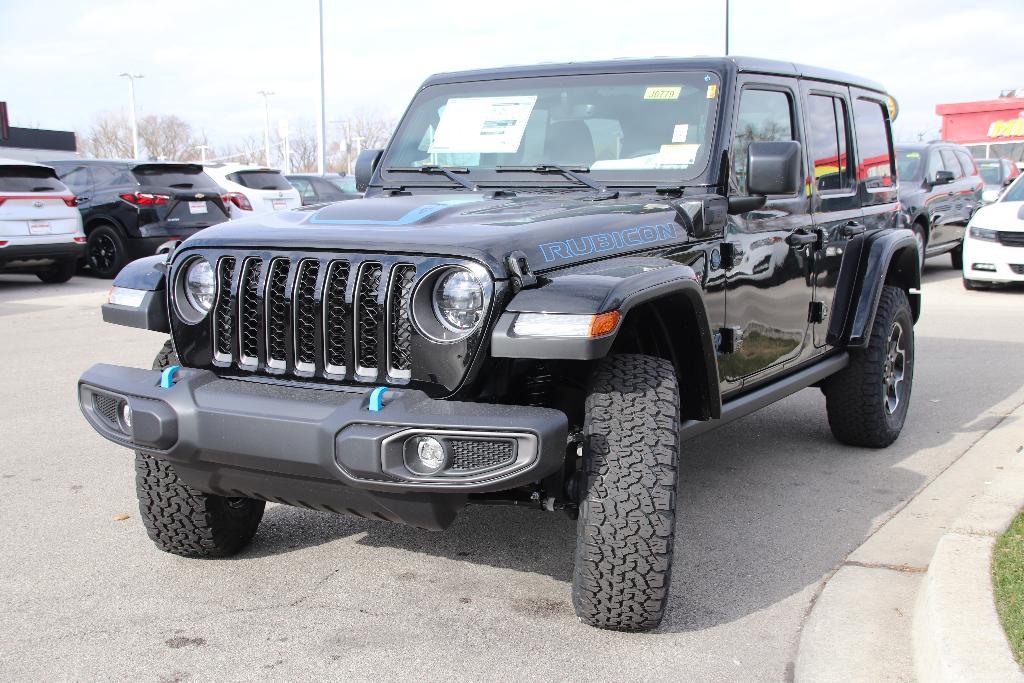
pixel 377 399
pixel 167 376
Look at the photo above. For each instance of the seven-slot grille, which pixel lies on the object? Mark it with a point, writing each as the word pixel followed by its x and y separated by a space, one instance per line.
pixel 315 316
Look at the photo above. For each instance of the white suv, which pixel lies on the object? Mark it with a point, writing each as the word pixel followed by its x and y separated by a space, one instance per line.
pixel 994 241
pixel 40 228
pixel 250 190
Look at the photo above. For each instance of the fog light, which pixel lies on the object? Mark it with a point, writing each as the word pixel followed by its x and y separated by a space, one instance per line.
pixel 424 455
pixel 126 415
pixel 990 267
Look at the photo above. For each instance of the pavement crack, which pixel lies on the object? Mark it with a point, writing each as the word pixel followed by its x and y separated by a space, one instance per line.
pixel 904 568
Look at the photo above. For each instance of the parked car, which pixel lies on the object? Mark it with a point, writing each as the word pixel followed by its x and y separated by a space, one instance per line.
pixel 40 228
pixel 133 209
pixel 940 189
pixel 994 244
pixel 539 299
pixel 997 174
pixel 323 189
pixel 252 190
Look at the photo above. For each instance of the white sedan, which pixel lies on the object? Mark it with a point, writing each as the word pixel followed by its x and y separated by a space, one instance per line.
pixel 40 228
pixel 994 242
pixel 250 190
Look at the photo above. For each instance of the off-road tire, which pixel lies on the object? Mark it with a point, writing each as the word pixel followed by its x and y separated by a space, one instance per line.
pixel 183 521
pixel 626 525
pixel 855 396
pixel 58 273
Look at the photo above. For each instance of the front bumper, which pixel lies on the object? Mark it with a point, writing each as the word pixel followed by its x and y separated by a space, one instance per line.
pixel 321 448
pixel 1008 262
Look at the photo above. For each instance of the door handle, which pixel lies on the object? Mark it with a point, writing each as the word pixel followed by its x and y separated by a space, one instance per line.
pixel 802 238
pixel 852 229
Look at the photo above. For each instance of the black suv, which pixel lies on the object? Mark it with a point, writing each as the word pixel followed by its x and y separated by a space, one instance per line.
pixel 940 189
pixel 558 275
pixel 323 189
pixel 134 208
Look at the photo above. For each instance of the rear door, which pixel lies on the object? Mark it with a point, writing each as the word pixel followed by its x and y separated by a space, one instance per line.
pixel 835 202
pixel 768 288
pixel 35 203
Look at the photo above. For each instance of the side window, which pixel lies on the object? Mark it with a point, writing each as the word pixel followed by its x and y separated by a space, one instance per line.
pixel 950 163
pixel 874 167
pixel 76 178
pixel 304 187
pixel 967 163
pixel 934 165
pixel 764 115
pixel 828 133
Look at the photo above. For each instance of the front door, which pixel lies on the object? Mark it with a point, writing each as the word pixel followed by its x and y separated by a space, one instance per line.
pixel 769 285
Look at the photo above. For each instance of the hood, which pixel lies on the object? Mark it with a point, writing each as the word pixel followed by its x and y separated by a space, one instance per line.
pixel 552 230
pixel 1007 216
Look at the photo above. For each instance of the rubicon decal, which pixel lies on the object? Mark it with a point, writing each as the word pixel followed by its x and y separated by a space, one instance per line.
pixel 607 241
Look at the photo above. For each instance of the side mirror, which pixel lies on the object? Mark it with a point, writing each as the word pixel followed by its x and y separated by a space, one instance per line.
pixel 943 178
pixel 366 164
pixel 773 168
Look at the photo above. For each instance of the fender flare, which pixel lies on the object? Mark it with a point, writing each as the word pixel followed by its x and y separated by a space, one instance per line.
pixel 619 285
pixel 885 257
pixel 147 275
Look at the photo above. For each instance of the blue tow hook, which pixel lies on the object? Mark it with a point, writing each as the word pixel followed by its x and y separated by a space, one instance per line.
pixel 167 376
pixel 377 399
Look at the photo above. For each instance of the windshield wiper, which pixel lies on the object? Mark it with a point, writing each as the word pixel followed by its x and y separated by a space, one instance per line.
pixel 447 171
pixel 571 173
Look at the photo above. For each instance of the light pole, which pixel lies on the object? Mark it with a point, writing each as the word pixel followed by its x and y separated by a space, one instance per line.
pixel 202 152
pixel 131 102
pixel 726 28
pixel 266 123
pixel 359 148
pixel 321 152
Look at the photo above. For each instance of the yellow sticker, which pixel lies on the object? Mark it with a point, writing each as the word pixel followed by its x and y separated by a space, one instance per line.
pixel 712 91
pixel 663 92
pixel 913 155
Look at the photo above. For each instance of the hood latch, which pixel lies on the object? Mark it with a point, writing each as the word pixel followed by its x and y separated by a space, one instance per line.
pixel 522 276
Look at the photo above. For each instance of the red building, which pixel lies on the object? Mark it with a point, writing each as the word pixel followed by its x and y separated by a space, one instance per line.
pixel 991 128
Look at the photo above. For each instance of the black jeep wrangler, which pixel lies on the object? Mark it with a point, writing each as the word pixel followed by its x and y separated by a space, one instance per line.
pixel 558 274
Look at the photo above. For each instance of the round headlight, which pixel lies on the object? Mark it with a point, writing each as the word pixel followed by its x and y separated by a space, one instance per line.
pixel 459 301
pixel 200 285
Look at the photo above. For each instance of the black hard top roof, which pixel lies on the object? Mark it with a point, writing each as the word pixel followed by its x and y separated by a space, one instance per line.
pixel 738 64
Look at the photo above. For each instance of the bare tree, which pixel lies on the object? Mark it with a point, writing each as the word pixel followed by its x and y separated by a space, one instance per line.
pixel 249 150
pixel 302 143
pixel 363 129
pixel 109 137
pixel 167 137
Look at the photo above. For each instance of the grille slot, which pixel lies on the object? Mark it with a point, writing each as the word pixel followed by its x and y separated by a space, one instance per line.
pixel 305 315
pixel 1017 268
pixel 403 277
pixel 1011 239
pixel 480 454
pixel 336 318
pixel 249 314
pixel 368 314
pixel 106 406
pixel 277 313
pixel 223 321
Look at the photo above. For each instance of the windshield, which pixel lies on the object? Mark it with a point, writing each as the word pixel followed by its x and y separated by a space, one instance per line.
pixel 628 127
pixel 991 172
pixel 1015 193
pixel 908 163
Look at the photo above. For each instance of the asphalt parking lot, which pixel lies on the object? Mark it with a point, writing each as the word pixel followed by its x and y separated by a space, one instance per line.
pixel 769 506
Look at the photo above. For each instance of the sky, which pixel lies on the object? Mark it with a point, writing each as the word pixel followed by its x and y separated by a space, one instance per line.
pixel 205 60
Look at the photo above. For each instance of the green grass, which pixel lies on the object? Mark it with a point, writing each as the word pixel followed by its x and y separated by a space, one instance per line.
pixel 1008 579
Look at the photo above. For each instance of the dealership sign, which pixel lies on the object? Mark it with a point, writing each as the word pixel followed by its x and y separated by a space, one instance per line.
pixel 988 121
pixel 1007 129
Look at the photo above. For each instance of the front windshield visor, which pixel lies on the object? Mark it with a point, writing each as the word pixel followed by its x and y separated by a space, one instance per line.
pixel 630 128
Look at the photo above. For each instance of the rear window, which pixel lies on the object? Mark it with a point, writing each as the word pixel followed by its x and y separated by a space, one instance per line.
pixel 178 177
pixel 991 172
pixel 260 180
pixel 875 169
pixel 29 179
pixel 346 183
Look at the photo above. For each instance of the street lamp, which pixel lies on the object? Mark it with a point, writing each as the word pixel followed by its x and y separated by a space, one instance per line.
pixel 131 100
pixel 359 148
pixel 202 152
pixel 321 153
pixel 726 28
pixel 266 123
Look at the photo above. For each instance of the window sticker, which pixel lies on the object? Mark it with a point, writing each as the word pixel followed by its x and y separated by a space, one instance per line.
pixel 482 125
pixel 913 155
pixel 712 91
pixel 677 155
pixel 663 92
pixel 679 132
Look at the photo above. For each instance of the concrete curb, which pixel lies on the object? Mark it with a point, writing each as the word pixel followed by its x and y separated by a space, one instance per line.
pixel 956 631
